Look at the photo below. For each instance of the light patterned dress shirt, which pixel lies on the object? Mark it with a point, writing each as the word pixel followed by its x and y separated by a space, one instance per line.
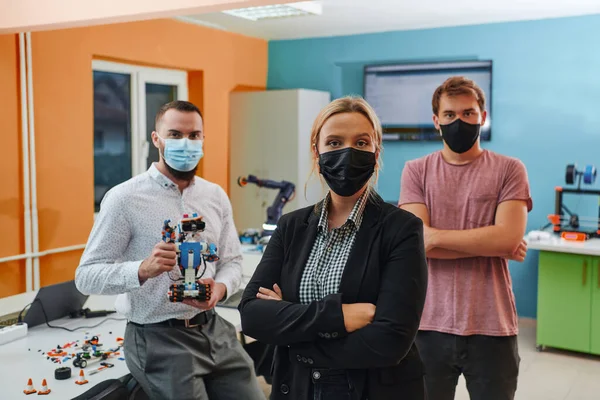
pixel 128 227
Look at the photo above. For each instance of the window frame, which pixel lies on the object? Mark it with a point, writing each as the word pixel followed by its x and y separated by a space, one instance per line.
pixel 139 76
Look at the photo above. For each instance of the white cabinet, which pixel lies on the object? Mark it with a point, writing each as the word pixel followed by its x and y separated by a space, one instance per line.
pixel 270 138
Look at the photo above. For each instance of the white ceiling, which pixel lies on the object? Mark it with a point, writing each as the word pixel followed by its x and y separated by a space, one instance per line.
pixel 347 17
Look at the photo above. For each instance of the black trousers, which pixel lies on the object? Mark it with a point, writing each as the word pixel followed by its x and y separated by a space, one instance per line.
pixel 490 365
pixel 329 384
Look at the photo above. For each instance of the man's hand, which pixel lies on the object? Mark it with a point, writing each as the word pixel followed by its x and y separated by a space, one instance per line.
pixel 266 294
pixel 520 253
pixel 162 259
pixel 429 238
pixel 218 291
pixel 357 316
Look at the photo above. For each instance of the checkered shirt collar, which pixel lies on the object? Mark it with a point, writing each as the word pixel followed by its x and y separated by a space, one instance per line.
pixel 356 215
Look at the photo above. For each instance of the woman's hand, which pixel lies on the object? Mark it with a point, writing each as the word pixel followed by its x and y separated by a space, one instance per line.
pixel 267 294
pixel 357 316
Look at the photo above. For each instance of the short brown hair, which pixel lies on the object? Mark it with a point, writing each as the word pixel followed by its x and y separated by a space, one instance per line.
pixel 455 86
pixel 179 105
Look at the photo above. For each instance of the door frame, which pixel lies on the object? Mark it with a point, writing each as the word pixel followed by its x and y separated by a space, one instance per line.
pixel 140 75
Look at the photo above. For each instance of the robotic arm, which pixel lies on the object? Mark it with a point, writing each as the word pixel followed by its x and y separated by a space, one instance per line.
pixel 286 192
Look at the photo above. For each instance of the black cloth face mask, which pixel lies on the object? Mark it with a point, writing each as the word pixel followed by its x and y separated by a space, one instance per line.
pixel 346 171
pixel 460 136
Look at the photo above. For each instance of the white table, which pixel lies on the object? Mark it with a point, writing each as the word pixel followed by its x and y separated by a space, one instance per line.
pixel 21 360
pixel 251 259
pixel 589 247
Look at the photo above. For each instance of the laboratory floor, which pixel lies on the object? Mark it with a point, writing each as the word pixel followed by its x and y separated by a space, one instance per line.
pixel 549 375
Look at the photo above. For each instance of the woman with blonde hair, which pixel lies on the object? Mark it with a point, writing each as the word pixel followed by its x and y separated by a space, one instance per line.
pixel 341 286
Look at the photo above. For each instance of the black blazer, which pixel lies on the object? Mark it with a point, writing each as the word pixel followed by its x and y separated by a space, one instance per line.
pixel 386 267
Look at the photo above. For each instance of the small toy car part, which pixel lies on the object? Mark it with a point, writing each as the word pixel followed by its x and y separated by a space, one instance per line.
pixel 62 373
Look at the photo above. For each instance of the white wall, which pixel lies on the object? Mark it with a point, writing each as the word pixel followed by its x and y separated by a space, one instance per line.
pixel 270 138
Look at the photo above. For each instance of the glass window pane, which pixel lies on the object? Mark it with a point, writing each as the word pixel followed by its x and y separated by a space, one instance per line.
pixel 112 132
pixel 156 96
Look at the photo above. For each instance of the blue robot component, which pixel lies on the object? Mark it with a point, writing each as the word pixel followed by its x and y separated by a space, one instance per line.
pixel 589 174
pixel 212 253
pixel 191 253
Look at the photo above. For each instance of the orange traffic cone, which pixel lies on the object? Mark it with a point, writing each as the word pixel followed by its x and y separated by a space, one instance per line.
pixel 44 389
pixel 81 380
pixel 29 389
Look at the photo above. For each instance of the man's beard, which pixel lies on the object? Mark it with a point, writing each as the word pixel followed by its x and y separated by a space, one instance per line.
pixel 182 175
pixel 187 176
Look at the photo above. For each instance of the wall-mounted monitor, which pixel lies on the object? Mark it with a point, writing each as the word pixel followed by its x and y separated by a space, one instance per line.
pixel 401 95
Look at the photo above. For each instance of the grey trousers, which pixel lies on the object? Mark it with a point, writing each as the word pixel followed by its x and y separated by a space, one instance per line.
pixel 199 363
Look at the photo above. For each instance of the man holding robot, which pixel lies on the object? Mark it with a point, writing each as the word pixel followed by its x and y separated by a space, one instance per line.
pixel 177 346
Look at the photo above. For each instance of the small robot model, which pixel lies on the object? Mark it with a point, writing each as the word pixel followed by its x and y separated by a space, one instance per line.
pixel 83 359
pixel 190 255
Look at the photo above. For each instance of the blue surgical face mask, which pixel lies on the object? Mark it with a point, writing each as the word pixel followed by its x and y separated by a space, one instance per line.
pixel 182 154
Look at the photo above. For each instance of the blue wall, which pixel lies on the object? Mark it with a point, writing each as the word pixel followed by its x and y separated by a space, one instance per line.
pixel 546 100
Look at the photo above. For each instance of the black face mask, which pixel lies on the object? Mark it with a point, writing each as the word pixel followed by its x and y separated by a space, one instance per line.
pixel 460 136
pixel 346 171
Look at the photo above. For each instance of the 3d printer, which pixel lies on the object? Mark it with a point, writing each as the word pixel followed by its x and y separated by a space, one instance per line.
pixel 570 227
pixel 286 193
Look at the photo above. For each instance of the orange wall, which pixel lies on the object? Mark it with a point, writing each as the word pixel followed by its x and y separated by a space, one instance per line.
pixel 63 95
pixel 12 274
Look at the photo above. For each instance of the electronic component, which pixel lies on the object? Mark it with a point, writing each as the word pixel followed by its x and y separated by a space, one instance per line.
pixel 570 227
pixel 9 319
pixel 191 253
pixel 13 332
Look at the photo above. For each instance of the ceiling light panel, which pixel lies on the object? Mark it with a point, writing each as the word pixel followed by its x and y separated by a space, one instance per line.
pixel 298 9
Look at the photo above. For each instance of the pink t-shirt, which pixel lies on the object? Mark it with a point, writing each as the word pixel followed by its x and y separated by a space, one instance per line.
pixel 471 295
